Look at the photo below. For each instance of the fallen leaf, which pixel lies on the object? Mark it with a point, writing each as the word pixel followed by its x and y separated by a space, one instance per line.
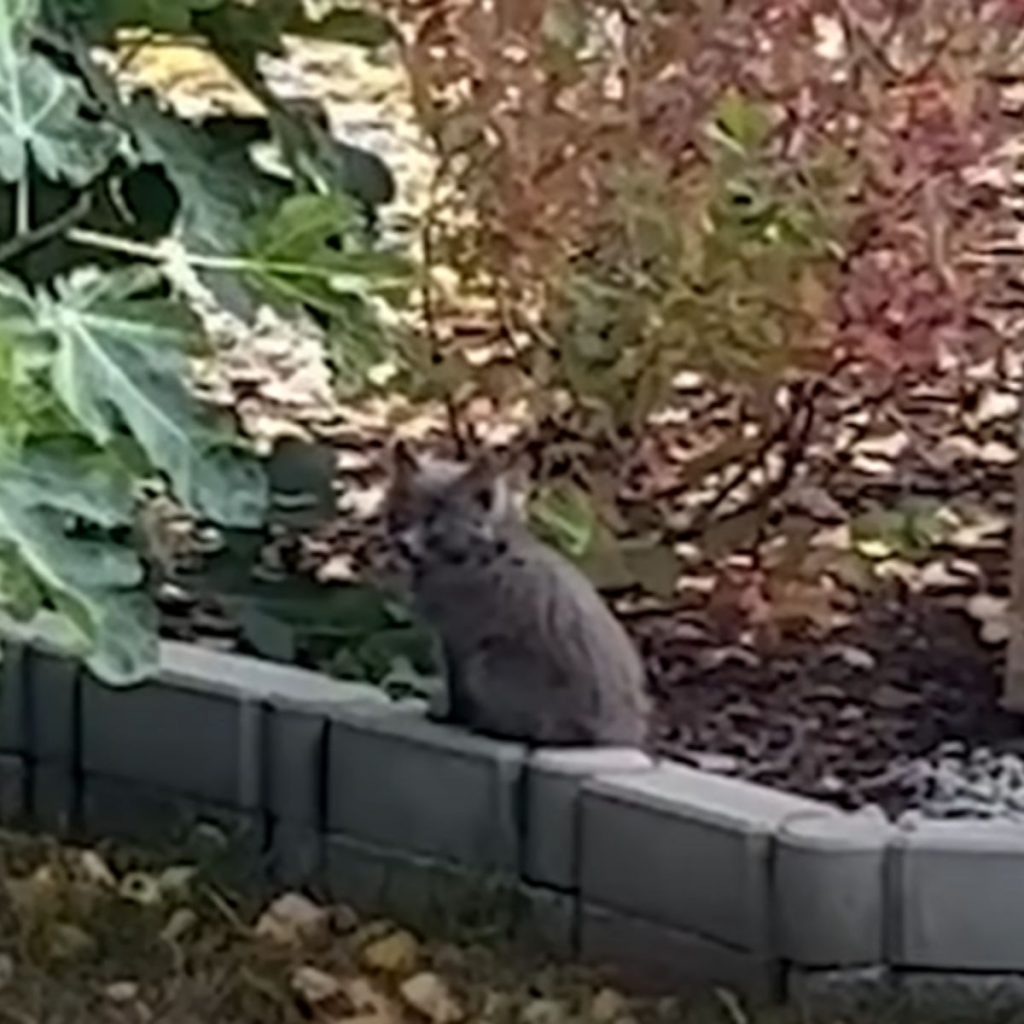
pixel 69 942
pixel 320 991
pixel 122 991
pixel 429 995
pixel 992 614
pixel 96 870
pixel 397 953
pixel 179 924
pixel 997 454
pixel 607 1007
pixel 938 575
pixel 995 404
pixel 175 880
pixel 544 1011
pixel 855 657
pixel 889 446
pixel 141 888
pixel 6 970
pixel 986 532
pixel 293 919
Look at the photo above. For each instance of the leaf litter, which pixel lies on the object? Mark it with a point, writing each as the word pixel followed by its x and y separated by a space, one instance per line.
pixel 74 947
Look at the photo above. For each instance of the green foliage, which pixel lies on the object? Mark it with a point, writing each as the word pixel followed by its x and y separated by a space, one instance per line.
pixel 95 345
pixel 733 287
pixel 909 531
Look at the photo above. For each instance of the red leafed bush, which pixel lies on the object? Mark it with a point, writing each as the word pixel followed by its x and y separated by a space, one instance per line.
pixel 757 191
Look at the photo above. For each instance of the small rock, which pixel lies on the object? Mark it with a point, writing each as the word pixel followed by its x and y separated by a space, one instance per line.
pixel 397 953
pixel 292 919
pixel 429 995
pixel 607 1007
pixel 122 992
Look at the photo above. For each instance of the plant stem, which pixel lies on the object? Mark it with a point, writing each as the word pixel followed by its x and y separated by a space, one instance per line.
pixel 24 240
pixel 225 264
pixel 22 212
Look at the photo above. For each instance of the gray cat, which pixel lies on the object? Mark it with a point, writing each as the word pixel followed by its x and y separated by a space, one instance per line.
pixel 531 651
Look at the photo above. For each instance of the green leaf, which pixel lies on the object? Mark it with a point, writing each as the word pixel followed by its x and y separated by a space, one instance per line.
pixel 119 361
pixel 327 164
pixel 564 515
pixel 311 251
pixel 740 124
pixel 220 189
pixel 89 585
pixel 348 25
pixel 174 16
pixel 41 117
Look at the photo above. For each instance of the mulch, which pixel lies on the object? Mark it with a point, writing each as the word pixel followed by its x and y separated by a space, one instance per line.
pixel 841 720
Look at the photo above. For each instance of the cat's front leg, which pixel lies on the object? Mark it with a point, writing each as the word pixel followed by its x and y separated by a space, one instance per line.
pixel 449 704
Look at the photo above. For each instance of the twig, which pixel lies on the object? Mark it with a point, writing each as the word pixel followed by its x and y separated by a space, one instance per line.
pixel 30 239
pixel 430 311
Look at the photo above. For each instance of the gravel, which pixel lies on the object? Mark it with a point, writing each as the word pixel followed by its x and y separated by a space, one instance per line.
pixel 957 782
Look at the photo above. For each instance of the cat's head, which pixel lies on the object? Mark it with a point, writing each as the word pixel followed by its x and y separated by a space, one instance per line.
pixel 446 509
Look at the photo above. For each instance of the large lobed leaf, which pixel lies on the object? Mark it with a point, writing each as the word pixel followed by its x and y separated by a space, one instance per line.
pixel 310 253
pixel 41 111
pixel 80 593
pixel 118 363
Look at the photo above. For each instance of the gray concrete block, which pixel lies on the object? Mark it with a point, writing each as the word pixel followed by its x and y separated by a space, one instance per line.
pixel 435 896
pixel 54 801
pixel 861 994
pixel 224 674
pixel 14 791
pixel 14 737
pixel 830 889
pixel 554 781
pixel 205 745
pixel 296 765
pixel 172 822
pixel 547 922
pixel 686 849
pixel 957 901
pixel 52 712
pixel 652 958
pixel 951 997
pixel 295 853
pixel 402 782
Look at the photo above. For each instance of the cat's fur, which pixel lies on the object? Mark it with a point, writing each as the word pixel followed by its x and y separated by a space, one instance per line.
pixel 531 651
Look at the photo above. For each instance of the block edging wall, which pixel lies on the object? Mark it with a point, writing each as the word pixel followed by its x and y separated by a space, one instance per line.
pixel 845 894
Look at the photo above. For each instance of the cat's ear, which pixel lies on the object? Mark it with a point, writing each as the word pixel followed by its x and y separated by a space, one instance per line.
pixel 403 463
pixel 483 482
pixel 403 467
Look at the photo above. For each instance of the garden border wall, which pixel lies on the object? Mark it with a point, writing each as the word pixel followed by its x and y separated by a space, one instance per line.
pixel 673 876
